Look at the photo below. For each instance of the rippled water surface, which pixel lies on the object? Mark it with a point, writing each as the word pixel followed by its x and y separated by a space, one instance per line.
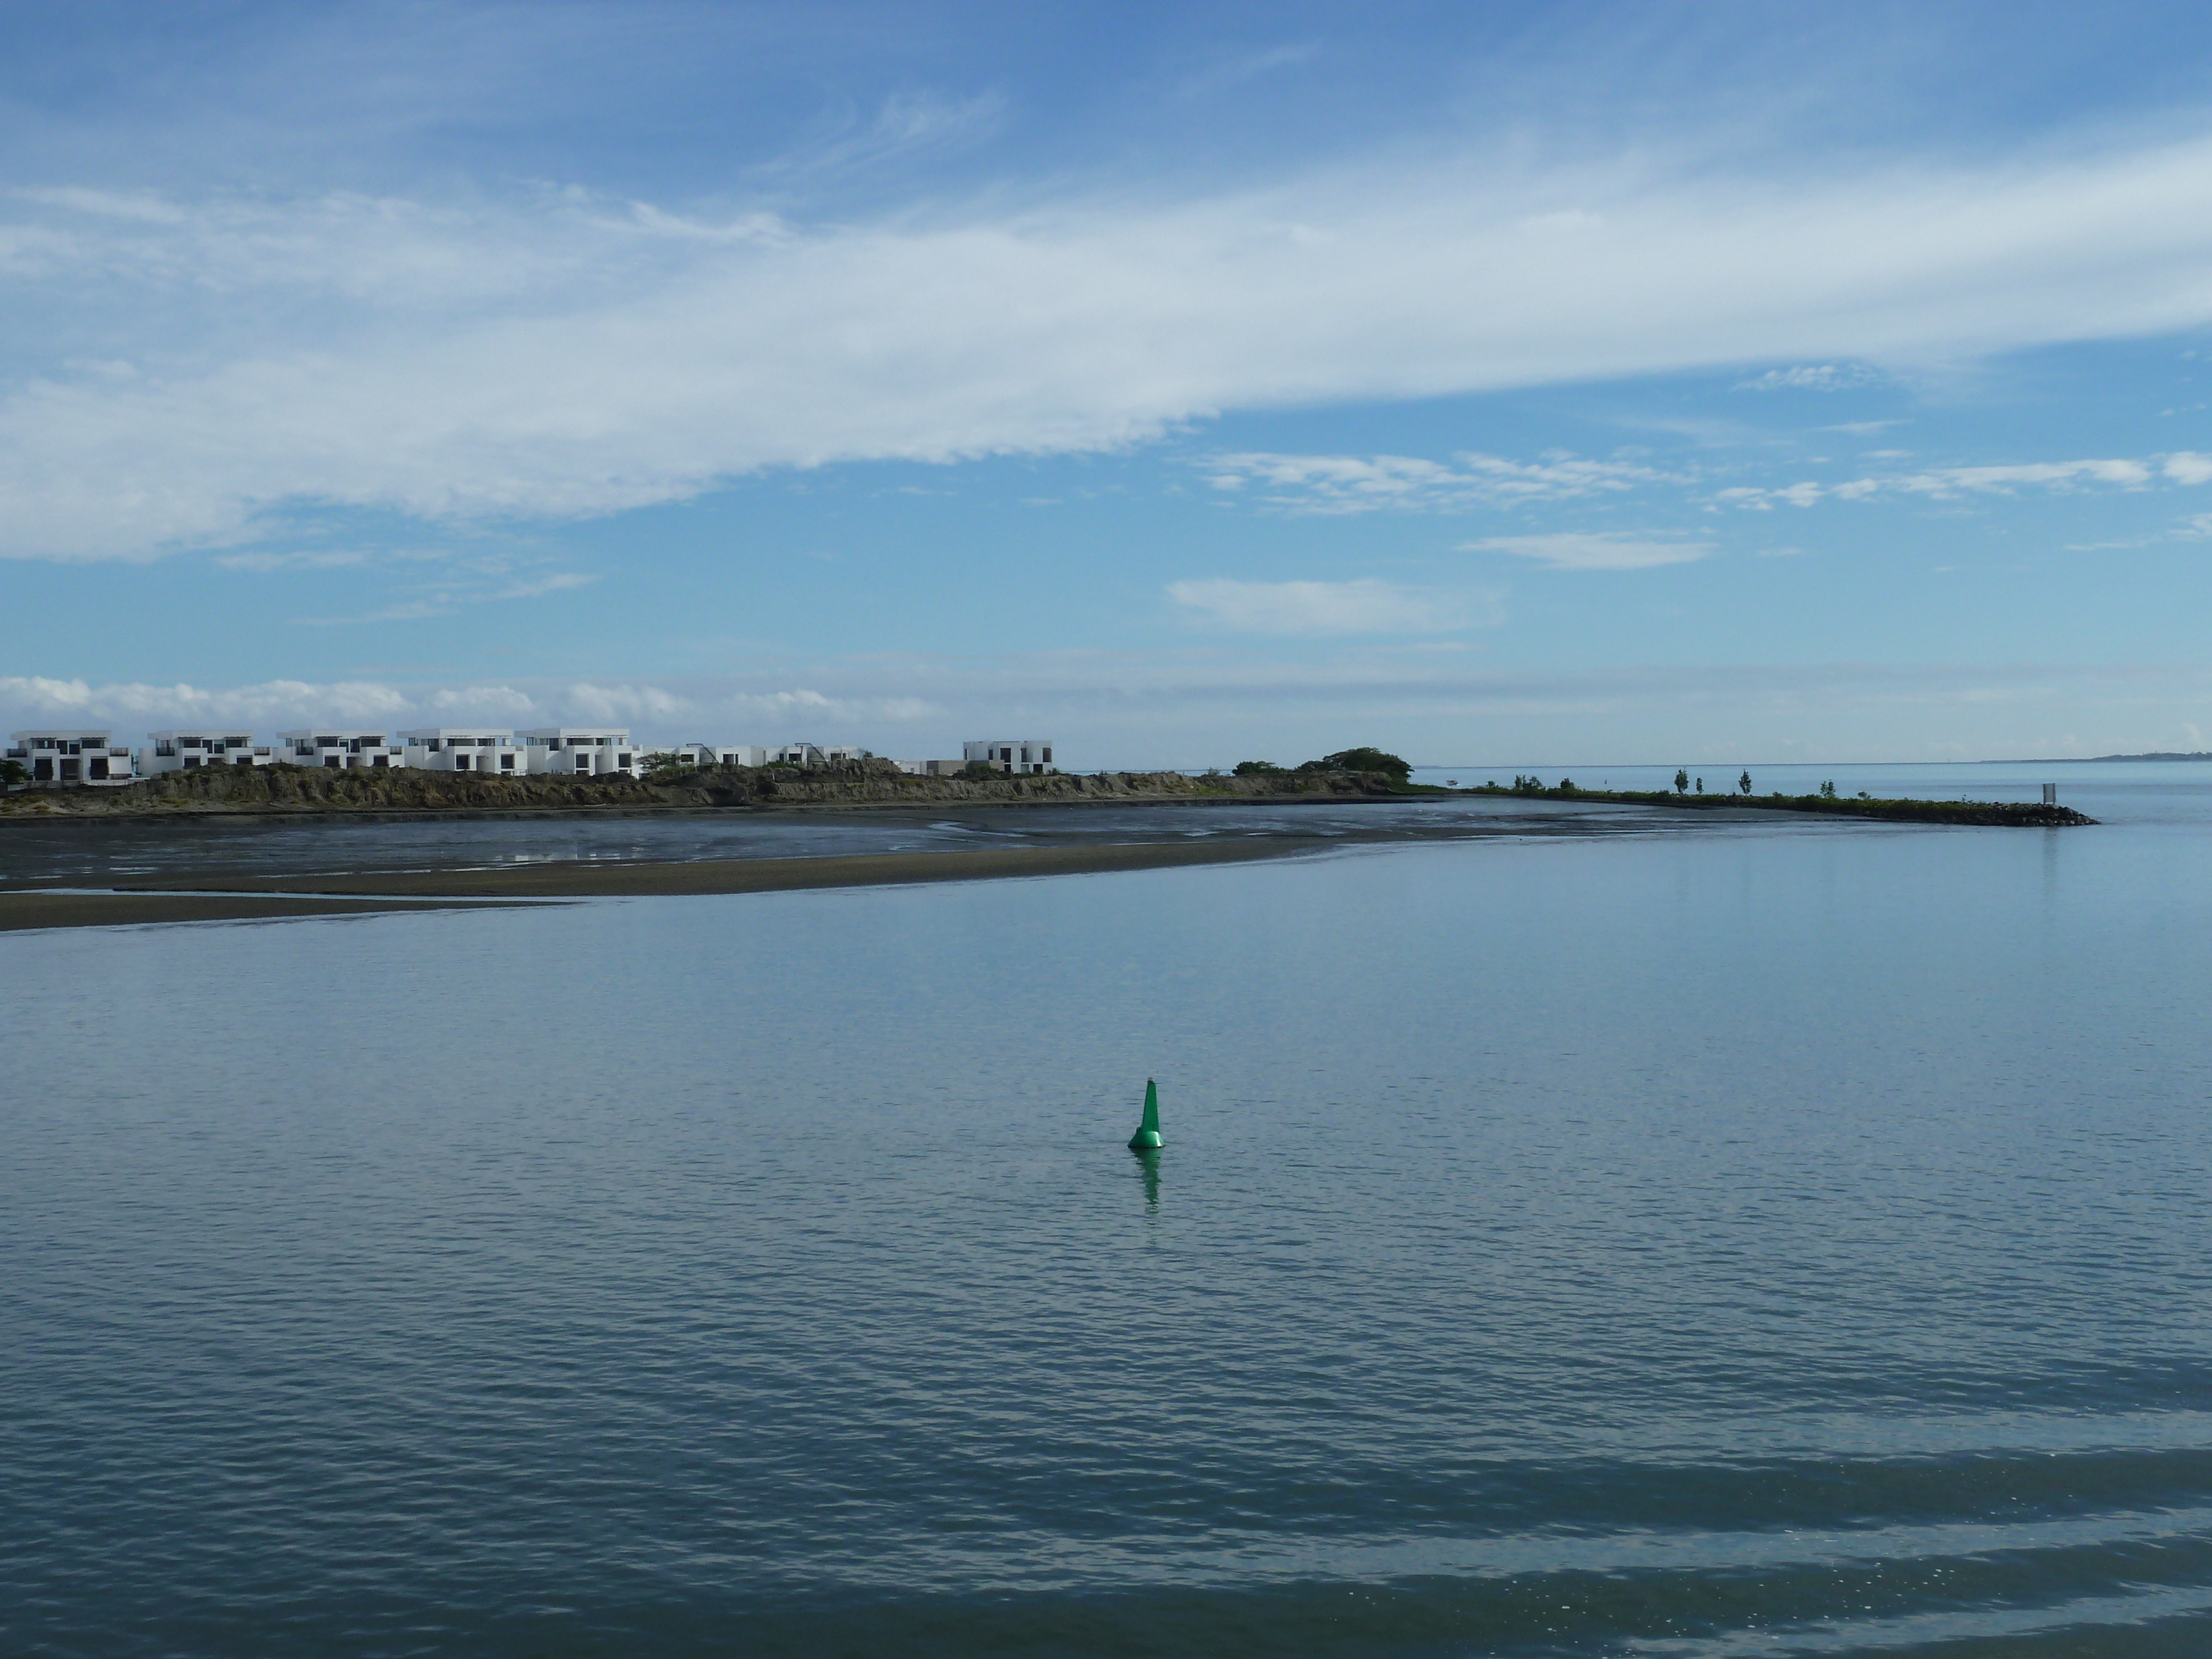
pixel 1725 1241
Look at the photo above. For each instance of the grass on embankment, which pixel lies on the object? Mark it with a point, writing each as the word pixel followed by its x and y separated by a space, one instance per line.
pixel 2024 815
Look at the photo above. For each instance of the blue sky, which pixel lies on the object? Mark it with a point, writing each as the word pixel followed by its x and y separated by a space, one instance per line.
pixel 1565 383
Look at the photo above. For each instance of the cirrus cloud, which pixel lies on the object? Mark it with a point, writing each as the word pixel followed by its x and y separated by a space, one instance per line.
pixel 1594 549
pixel 558 355
pixel 1355 607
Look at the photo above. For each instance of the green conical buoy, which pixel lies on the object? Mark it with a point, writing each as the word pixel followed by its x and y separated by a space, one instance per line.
pixel 1147 1138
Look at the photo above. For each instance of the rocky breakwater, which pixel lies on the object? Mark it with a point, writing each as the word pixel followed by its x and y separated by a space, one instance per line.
pixel 298 789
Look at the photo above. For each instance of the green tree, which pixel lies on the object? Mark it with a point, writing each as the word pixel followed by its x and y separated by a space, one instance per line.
pixel 1743 782
pixel 1828 790
pixel 1254 769
pixel 1360 760
pixel 1701 786
pixel 1681 782
pixel 12 773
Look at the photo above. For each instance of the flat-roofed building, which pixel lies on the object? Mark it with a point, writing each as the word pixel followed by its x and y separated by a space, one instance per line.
pixel 179 751
pixel 71 755
pixel 794 754
pixel 462 748
pixel 360 747
pixel 722 754
pixel 579 751
pixel 1011 754
pixel 931 768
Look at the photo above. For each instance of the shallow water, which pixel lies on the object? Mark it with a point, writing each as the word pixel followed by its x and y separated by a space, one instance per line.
pixel 1779 1239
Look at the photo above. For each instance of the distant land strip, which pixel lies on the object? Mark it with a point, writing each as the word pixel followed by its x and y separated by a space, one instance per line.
pixel 2092 760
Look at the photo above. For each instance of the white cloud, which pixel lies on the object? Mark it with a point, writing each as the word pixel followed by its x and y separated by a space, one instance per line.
pixel 2182 467
pixel 560 582
pixel 1593 550
pixel 557 355
pixel 1195 707
pixel 609 705
pixel 1354 607
pixel 1251 66
pixel 2128 474
pixel 800 705
pixel 1367 483
pixel 489 702
pixel 1815 377
pixel 271 703
pixel 264 564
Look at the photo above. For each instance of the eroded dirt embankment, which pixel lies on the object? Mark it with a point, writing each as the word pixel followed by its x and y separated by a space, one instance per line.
pixel 285 789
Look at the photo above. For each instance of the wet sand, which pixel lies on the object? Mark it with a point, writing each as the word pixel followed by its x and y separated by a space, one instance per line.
pixel 243 898
pixel 21 911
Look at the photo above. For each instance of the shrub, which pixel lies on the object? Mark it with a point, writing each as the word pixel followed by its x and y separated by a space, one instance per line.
pixel 1360 760
pixel 1255 769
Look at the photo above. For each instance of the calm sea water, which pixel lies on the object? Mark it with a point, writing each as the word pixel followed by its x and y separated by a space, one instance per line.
pixel 1713 1240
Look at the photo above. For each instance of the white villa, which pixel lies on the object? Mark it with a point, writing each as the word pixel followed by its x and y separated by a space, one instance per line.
pixel 76 755
pixel 580 750
pixel 1012 754
pixel 176 751
pixel 85 754
pixel 462 749
pixel 361 747
pixel 721 754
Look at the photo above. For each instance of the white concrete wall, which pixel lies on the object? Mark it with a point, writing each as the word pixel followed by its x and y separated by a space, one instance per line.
pixel 324 746
pixel 464 749
pixel 72 754
pixel 579 750
pixel 1012 754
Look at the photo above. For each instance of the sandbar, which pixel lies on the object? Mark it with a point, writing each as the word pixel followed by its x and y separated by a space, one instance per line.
pixel 21 911
pixel 241 897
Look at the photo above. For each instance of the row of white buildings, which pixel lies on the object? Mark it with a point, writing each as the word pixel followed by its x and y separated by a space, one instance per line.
pixel 88 755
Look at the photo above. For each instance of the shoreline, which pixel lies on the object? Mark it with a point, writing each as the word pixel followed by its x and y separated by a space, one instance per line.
pixel 254 898
pixel 237 896
pixel 28 912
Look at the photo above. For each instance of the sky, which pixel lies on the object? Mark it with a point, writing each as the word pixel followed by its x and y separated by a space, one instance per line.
pixel 1184 384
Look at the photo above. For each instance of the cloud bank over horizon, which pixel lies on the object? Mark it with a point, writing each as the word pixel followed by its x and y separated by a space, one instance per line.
pixel 1108 714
